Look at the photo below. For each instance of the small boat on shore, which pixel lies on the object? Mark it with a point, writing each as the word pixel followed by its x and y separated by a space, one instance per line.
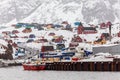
pixel 34 66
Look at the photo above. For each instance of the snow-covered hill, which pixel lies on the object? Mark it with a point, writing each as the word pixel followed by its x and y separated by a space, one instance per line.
pixel 47 11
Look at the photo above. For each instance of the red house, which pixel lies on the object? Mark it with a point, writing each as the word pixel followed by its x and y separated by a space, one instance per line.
pixel 76 39
pixel 105 35
pixel 80 30
pixel 119 34
pixel 86 30
pixel 89 30
pixel 103 26
pixel 73 44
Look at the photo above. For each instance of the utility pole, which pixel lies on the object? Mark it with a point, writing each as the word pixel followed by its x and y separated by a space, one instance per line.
pixel 110 26
pixel 110 31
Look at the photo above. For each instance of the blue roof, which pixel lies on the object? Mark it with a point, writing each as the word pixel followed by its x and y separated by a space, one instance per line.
pixel 77 23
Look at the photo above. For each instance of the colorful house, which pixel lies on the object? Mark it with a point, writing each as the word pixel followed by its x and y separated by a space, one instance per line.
pixel 86 30
pixel 76 39
pixel 103 26
pixel 105 35
pixel 118 34
pixel 89 30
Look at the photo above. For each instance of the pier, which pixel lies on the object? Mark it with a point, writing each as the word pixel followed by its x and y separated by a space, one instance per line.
pixel 83 66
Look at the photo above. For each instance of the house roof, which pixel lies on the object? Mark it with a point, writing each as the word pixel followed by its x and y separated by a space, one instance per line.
pixel 89 28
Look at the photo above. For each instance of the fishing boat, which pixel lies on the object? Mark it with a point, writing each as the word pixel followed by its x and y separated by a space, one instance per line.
pixel 34 66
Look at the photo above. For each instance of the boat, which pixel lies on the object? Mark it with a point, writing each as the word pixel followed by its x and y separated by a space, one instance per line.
pixel 34 66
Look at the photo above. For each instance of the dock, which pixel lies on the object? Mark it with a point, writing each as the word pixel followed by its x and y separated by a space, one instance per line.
pixel 77 65
pixel 8 63
pixel 83 66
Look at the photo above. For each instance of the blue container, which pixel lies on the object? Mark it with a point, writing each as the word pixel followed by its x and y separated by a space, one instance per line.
pixel 67 58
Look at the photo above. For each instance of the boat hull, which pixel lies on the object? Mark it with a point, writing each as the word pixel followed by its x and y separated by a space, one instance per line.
pixel 33 67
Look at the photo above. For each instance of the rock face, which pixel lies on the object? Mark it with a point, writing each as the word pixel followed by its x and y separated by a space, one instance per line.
pixel 47 11
pixel 8 54
pixel 98 10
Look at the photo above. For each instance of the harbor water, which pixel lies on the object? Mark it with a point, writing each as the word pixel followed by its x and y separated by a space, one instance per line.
pixel 17 73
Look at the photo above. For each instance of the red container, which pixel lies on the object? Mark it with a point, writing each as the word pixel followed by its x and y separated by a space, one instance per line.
pixel 74 59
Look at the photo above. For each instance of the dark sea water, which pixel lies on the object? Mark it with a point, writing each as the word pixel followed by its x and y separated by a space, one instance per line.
pixel 17 73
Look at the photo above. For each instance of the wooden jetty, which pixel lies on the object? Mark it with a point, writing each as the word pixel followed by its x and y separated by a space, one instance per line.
pixel 7 63
pixel 84 66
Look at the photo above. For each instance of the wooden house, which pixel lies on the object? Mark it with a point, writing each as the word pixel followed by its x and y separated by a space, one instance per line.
pixel 77 39
pixel 80 29
pixel 6 32
pixel 103 26
pixel 118 34
pixel 48 26
pixel 15 31
pixel 86 30
pixel 27 30
pixel 105 35
pixel 89 30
